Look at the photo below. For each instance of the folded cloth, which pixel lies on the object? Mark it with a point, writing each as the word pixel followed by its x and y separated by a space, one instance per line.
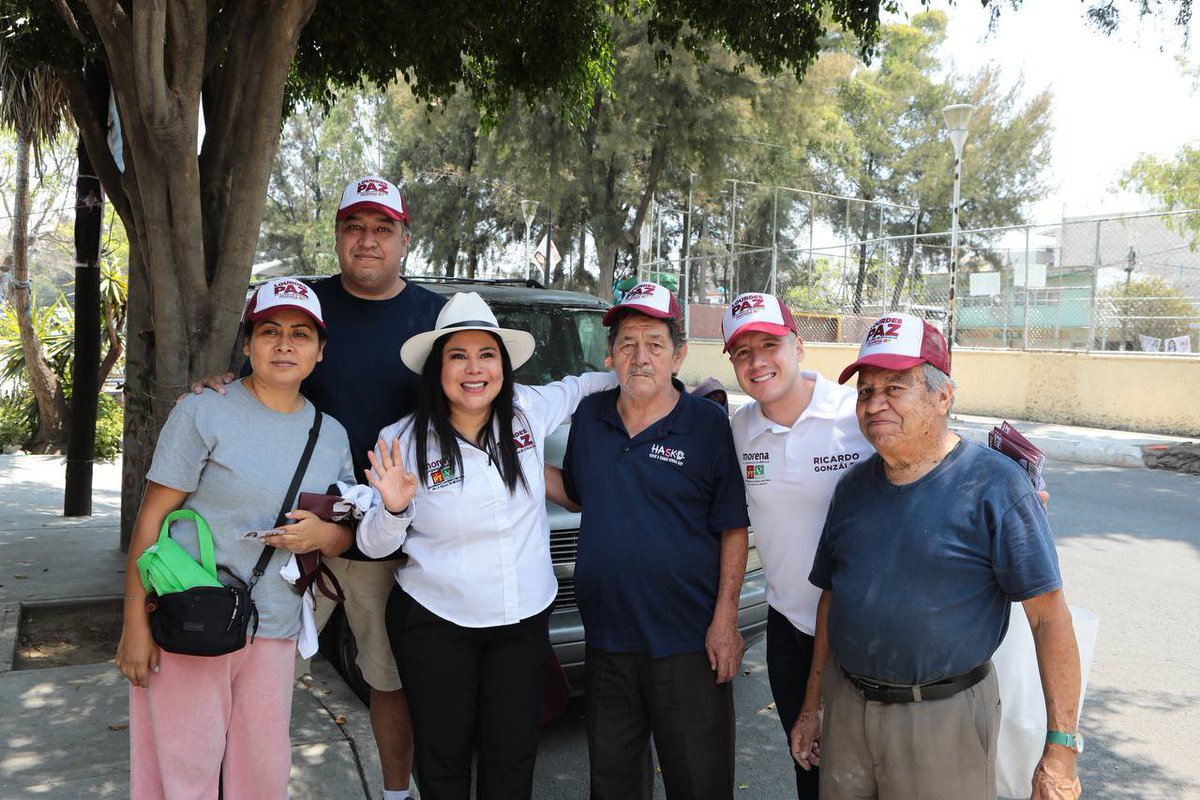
pixel 306 642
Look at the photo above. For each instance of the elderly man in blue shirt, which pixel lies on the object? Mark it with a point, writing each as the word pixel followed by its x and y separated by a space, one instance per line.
pixel 662 553
pixel 926 546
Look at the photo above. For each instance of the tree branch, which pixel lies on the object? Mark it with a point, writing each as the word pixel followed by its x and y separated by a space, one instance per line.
pixel 72 24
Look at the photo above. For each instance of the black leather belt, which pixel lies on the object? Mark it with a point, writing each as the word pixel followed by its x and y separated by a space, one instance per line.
pixel 937 690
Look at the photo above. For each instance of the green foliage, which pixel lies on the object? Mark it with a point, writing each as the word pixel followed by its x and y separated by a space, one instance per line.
pixel 110 421
pixel 1172 182
pixel 1150 306
pixel 54 327
pixel 17 418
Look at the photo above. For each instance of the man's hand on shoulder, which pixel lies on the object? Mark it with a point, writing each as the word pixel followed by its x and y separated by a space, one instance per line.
pixel 215 382
pixel 1055 777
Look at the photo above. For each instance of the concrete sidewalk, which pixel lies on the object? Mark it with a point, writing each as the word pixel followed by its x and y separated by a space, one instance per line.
pixel 64 730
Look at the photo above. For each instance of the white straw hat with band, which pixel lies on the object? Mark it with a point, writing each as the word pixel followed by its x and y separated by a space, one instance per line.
pixel 466 311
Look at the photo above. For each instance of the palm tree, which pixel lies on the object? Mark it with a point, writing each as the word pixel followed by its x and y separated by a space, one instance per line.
pixel 33 105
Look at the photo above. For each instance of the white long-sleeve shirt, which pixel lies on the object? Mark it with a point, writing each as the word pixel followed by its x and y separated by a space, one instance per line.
pixel 478 555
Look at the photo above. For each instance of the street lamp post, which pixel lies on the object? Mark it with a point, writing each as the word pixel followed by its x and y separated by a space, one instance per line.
pixel 529 211
pixel 957 118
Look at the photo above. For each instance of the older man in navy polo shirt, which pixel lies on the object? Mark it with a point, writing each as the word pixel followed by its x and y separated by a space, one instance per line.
pixel 662 552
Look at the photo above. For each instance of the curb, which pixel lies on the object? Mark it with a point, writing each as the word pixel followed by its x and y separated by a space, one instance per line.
pixel 1110 455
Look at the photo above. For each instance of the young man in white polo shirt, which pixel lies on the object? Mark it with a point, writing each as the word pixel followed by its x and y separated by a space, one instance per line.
pixel 794 441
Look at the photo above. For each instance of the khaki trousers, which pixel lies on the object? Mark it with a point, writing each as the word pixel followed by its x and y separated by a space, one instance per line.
pixel 936 750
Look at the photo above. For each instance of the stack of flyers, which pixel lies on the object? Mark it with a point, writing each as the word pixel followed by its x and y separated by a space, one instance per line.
pixel 1009 441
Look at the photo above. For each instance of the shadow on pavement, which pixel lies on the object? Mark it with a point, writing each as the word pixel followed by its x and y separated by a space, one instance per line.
pixel 1108 772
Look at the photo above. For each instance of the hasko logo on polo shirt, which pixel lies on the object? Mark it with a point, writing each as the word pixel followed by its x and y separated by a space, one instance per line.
pixel 834 462
pixel 371 186
pixel 747 305
pixel 671 455
pixel 522 440
pixel 291 289
pixel 755 466
pixel 885 329
pixel 442 474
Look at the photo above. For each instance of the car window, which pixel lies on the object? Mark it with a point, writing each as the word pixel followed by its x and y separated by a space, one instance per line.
pixel 568 341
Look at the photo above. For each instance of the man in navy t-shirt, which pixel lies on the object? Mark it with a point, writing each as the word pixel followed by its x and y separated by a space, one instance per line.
pixel 926 545
pixel 662 553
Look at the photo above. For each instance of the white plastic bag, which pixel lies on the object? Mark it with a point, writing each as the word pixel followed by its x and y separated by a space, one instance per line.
pixel 1023 707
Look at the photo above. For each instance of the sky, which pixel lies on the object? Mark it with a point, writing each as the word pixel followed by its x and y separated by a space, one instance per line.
pixel 1115 97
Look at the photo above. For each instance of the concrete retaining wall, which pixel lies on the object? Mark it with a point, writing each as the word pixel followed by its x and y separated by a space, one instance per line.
pixel 1121 391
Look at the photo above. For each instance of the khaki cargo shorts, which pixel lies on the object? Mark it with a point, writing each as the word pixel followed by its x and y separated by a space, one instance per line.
pixel 366 585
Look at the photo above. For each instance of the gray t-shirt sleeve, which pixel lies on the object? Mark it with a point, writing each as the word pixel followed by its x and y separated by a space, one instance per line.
pixel 182 449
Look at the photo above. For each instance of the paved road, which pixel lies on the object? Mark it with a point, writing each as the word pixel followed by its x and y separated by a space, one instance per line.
pixel 1129 542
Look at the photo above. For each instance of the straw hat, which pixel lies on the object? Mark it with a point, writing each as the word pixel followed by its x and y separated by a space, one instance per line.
pixel 466 311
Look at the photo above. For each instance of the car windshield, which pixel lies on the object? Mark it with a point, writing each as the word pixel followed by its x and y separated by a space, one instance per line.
pixel 569 340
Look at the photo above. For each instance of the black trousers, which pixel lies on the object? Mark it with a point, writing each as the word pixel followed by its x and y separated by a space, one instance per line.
pixel 789 660
pixel 470 689
pixel 629 697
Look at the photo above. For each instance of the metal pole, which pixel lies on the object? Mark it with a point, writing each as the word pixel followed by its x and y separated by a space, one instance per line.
pixel 774 241
pixel 1095 277
pixel 883 304
pixel 951 309
pixel 549 243
pixel 732 225
pixel 81 441
pixel 525 264
pixel 1025 313
pixel 687 262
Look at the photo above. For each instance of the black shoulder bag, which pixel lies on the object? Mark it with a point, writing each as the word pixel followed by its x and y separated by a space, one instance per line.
pixel 213 620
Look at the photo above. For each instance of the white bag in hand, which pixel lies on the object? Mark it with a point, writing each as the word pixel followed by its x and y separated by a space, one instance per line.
pixel 1022 704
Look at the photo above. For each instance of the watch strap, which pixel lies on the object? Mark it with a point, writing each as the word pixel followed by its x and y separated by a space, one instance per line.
pixel 1057 737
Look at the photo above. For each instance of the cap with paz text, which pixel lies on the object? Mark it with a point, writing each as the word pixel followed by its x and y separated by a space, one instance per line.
pixel 755 311
pixel 374 193
pixel 651 299
pixel 899 342
pixel 283 293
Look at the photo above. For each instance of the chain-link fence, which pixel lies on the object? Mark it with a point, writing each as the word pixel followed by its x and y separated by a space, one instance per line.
pixel 1122 282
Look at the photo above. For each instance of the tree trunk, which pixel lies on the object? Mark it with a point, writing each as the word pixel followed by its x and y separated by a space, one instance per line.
pixel 51 432
pixel 192 220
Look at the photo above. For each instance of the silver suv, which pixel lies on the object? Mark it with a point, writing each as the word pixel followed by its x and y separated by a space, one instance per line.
pixel 570 340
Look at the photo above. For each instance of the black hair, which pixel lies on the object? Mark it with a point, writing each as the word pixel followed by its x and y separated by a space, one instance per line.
pixel 248 330
pixel 433 411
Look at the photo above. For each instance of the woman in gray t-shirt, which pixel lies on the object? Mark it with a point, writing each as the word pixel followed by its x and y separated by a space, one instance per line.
pixel 196 721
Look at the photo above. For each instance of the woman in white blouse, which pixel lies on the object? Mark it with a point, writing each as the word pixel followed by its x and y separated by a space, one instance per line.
pixel 469 618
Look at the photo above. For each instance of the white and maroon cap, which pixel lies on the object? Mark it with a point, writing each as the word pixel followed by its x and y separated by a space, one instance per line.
pixel 755 311
pixel 283 293
pixel 899 342
pixel 376 193
pixel 650 299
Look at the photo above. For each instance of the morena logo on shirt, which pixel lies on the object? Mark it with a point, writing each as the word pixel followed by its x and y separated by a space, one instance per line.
pixel 441 473
pixel 523 440
pixel 369 186
pixel 291 289
pixel 756 472
pixel 671 455
pixel 884 330
pixel 747 304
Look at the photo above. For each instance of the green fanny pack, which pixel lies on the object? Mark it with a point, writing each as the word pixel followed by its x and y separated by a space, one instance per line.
pixel 165 567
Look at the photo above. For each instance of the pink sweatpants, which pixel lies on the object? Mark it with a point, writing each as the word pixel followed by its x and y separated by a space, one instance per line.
pixel 199 711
